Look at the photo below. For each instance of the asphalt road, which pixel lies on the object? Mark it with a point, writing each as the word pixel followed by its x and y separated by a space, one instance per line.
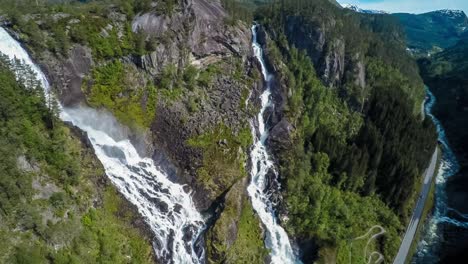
pixel 413 225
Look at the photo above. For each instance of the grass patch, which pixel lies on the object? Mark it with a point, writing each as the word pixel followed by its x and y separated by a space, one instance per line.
pixel 248 246
pixel 223 157
pixel 113 87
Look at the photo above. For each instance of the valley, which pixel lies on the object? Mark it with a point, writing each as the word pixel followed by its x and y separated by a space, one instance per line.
pixel 223 132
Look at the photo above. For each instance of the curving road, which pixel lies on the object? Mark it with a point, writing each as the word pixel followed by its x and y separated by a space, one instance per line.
pixel 417 213
pixel 374 236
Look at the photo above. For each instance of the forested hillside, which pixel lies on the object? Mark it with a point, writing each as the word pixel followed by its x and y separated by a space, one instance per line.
pixel 448 64
pixel 360 148
pixel 446 73
pixel 178 74
pixel 346 130
pixel 55 201
pixel 433 31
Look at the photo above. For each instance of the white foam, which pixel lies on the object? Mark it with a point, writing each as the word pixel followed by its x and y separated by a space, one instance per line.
pixel 167 208
pixel 277 240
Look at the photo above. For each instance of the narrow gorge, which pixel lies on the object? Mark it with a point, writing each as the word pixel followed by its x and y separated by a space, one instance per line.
pixel 264 176
pixel 429 246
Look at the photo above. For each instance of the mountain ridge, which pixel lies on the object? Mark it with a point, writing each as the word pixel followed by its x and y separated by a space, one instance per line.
pixel 430 32
pixel 356 8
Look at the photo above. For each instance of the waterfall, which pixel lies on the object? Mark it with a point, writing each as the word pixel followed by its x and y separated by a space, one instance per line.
pixel 167 207
pixel 428 247
pixel 276 240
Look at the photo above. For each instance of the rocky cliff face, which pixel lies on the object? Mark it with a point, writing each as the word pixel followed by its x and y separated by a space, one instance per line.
pixel 195 34
pixel 68 73
pixel 332 58
pixel 200 134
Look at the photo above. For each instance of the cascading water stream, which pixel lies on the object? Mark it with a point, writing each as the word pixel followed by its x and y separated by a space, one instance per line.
pixel 277 240
pixel 427 250
pixel 166 206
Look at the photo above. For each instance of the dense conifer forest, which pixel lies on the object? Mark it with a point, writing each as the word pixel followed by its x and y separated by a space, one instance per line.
pixel 356 160
pixel 353 165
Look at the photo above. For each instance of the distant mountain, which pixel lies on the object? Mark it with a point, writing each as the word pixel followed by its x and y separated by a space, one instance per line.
pixel 433 31
pixel 360 10
pixel 451 63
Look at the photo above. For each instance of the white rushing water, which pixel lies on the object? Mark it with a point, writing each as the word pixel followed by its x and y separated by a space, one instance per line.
pixel 429 246
pixel 277 240
pixel 166 206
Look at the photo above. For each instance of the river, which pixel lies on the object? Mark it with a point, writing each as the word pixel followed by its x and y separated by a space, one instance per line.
pixel 429 247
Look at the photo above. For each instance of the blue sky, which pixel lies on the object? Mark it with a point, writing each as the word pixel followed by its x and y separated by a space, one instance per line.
pixel 410 6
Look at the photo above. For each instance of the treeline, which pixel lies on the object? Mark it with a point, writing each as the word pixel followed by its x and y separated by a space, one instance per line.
pixel 55 26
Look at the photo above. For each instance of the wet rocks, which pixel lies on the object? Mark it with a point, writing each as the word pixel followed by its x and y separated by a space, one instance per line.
pixel 115 152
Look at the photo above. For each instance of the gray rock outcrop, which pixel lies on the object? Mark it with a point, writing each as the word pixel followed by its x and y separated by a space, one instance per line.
pixel 67 74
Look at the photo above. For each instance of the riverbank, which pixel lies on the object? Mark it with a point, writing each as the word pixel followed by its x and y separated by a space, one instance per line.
pixel 418 211
pixel 429 250
pixel 427 211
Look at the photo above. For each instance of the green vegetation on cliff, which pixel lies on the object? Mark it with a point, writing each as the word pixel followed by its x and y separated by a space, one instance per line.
pixel 104 26
pixel 359 152
pixel 223 158
pixel 342 44
pixel 237 236
pixel 113 87
pixel 55 203
pixel 330 194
